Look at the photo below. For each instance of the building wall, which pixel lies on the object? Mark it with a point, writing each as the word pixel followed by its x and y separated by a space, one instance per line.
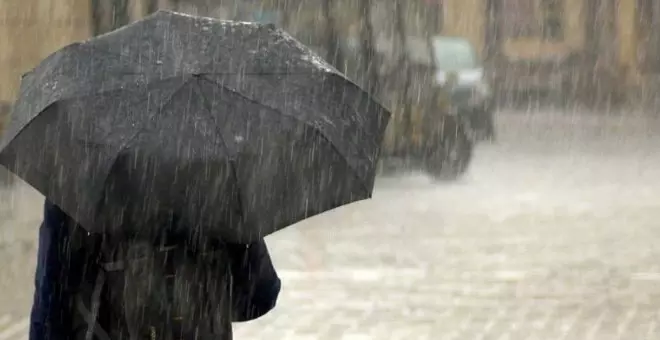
pixel 30 30
pixel 535 47
pixel 642 83
pixel 466 18
pixel 628 40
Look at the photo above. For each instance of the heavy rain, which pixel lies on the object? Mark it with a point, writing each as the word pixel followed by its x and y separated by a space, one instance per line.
pixel 516 192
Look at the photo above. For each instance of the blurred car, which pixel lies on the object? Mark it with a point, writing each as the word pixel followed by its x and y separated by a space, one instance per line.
pixel 423 132
pixel 459 71
pixel 431 137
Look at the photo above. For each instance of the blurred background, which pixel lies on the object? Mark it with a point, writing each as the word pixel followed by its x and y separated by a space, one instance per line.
pixel 546 232
pixel 572 52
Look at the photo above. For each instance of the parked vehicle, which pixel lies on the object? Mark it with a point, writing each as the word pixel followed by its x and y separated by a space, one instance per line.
pixel 425 131
pixel 436 138
pixel 436 142
pixel 460 72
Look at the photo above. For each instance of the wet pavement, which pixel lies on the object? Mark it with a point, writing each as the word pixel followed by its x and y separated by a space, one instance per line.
pixel 553 234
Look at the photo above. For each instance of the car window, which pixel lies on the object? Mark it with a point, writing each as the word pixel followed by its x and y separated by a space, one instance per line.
pixel 453 54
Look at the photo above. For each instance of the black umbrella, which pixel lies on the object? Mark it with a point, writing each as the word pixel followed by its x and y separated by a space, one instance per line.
pixel 236 128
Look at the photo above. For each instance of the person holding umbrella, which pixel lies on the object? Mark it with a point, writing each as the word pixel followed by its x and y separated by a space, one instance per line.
pixel 186 140
pixel 61 265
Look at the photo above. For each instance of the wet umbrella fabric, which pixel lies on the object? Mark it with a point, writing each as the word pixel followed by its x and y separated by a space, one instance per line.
pixel 235 127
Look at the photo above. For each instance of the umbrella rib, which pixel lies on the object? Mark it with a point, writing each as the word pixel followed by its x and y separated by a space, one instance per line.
pixel 232 162
pixel 84 95
pixel 334 147
pixel 130 140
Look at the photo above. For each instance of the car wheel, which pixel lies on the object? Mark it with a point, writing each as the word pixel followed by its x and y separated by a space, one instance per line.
pixel 450 158
pixel 489 129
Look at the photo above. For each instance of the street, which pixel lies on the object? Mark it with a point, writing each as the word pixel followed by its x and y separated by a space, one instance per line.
pixel 553 234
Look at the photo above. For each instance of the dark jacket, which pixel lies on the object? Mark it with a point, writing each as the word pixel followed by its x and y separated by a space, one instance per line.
pixel 59 270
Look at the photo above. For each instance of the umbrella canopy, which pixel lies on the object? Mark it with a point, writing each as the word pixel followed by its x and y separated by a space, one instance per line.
pixel 236 128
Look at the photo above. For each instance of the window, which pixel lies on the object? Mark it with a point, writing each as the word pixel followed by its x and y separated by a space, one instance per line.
pixel 518 19
pixel 551 16
pixel 532 18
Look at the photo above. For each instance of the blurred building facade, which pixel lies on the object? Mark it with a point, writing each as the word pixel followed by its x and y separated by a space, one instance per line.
pixel 606 48
pixel 600 50
pixel 32 29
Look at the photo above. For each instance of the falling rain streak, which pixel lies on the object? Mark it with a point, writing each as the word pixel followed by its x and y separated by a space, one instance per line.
pixel 515 143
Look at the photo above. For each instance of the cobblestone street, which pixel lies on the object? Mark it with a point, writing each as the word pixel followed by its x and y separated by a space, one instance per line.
pixel 553 234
